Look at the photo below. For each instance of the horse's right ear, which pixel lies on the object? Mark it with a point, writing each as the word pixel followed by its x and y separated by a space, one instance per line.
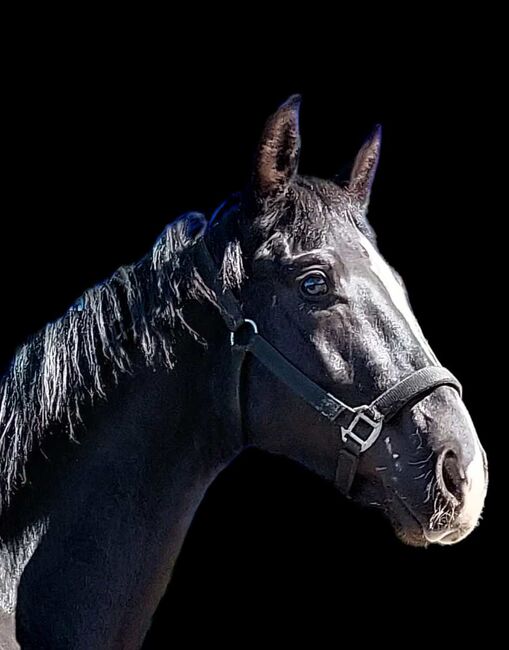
pixel 364 167
pixel 277 157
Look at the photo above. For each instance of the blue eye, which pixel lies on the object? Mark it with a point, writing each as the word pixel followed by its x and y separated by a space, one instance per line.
pixel 313 285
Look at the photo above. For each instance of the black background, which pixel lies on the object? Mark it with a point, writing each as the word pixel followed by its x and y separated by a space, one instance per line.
pixel 108 137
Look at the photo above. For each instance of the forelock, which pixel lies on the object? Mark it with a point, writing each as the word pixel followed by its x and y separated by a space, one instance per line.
pixel 310 214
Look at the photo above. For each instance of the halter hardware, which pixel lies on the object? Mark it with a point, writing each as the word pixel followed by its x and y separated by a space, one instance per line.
pixel 252 325
pixel 374 425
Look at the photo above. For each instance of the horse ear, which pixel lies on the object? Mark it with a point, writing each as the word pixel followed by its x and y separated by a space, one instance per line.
pixel 364 168
pixel 277 156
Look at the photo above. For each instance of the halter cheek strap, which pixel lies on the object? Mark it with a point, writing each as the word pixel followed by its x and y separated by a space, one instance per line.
pixel 359 427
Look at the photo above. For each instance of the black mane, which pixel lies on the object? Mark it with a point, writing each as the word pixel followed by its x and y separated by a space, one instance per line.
pixel 74 359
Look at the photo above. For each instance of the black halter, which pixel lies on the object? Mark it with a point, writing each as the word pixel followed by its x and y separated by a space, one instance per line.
pixel 359 426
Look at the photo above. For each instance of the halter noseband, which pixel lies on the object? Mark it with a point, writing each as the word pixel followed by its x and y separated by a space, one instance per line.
pixel 359 426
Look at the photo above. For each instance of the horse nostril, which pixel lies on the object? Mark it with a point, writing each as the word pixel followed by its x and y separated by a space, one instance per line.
pixel 451 476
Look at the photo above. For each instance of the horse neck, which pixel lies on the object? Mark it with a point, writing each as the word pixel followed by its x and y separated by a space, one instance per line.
pixel 123 500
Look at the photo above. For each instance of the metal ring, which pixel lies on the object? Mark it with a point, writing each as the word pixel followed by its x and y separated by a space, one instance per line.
pixel 244 322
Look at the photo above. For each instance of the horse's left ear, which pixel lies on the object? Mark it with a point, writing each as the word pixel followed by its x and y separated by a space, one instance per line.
pixel 277 157
pixel 364 168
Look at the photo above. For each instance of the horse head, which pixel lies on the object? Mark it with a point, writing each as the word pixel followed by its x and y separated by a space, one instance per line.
pixel 316 288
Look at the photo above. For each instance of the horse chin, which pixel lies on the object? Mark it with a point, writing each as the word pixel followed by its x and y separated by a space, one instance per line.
pixel 411 537
pixel 406 526
pixel 404 522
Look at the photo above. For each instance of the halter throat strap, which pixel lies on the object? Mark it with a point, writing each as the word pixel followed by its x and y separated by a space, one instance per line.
pixel 359 426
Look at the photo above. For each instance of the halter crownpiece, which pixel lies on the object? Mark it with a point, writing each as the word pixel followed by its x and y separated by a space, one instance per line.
pixel 359 426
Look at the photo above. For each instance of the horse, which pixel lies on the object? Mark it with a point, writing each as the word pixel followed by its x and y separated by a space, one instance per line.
pixel 276 324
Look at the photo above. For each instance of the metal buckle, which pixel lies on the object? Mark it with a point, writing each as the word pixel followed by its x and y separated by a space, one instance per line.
pixel 375 424
pixel 246 321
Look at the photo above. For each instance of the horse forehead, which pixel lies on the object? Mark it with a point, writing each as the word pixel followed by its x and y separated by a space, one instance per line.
pixel 337 238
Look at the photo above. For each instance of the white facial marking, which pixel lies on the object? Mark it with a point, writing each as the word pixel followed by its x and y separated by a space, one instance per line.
pixel 476 474
pixel 397 294
pixel 476 484
pixel 474 495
